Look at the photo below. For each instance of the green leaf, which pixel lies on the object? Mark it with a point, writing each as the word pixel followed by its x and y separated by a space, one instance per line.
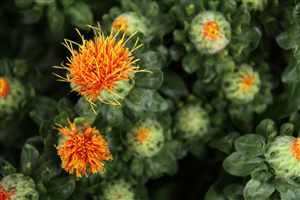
pixel 287 191
pixel 266 128
pixel 250 145
pixel 233 191
pixel 291 73
pixel 256 190
pixel 238 164
pixel 80 14
pixel 225 144
pixel 150 80
pixel 6 167
pixel 29 159
pixel 191 62
pixel 56 21
pixel 173 86
pixel 214 194
pixel 285 41
pixel 61 188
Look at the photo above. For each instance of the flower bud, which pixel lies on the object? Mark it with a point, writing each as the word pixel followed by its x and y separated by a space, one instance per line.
pixel 210 32
pixel 18 187
pixel 130 23
pixel 284 156
pixel 12 94
pixel 146 138
pixel 119 189
pixel 242 86
pixel 192 121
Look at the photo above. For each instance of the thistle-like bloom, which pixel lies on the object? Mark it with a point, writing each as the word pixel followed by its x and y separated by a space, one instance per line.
pixel 210 32
pixel 192 121
pixel 118 190
pixel 102 68
pixel 131 23
pixel 284 156
pixel 255 4
pixel 242 86
pixel 82 150
pixel 17 187
pixel 146 138
pixel 5 195
pixel 4 87
pixel 12 95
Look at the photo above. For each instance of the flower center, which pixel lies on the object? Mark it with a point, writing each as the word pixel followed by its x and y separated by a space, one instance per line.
pixel 247 82
pixel 211 30
pixel 142 134
pixel 120 24
pixel 296 148
pixel 5 195
pixel 4 87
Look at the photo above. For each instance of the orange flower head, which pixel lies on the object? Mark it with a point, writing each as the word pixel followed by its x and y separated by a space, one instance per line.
pixel 4 87
pixel 211 30
pixel 247 82
pixel 296 148
pixel 142 134
pixel 98 67
pixel 120 24
pixel 82 150
pixel 5 195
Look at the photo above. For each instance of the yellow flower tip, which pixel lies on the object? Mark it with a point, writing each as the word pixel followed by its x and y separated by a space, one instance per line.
pixel 83 150
pixel 4 87
pixel 211 30
pixel 120 24
pixel 5 195
pixel 142 134
pixel 247 82
pixel 295 145
pixel 100 66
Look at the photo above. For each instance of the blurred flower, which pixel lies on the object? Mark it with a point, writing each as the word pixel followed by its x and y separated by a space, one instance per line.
pixel 17 187
pixel 146 138
pixel 192 121
pixel 82 150
pixel 118 190
pixel 131 23
pixel 101 69
pixel 255 4
pixel 210 32
pixel 242 86
pixel 4 87
pixel 12 94
pixel 284 156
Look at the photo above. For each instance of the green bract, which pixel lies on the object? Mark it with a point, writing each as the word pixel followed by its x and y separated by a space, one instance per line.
pixel 197 33
pixel 118 189
pixel 242 86
pixel 16 96
pixel 192 121
pixel 131 23
pixel 146 138
pixel 282 158
pixel 23 187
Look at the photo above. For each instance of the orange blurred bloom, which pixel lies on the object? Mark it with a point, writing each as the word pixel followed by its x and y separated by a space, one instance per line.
pixel 120 24
pixel 4 88
pixel 211 30
pixel 99 64
pixel 83 150
pixel 5 195
pixel 247 82
pixel 296 148
pixel 142 134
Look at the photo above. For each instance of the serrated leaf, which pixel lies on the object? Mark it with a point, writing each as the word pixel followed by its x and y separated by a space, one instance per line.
pixel 256 190
pixel 250 145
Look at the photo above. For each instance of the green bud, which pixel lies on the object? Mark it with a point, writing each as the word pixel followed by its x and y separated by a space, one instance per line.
pixel 192 121
pixel 242 86
pixel 119 189
pixel 23 187
pixel 146 138
pixel 210 32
